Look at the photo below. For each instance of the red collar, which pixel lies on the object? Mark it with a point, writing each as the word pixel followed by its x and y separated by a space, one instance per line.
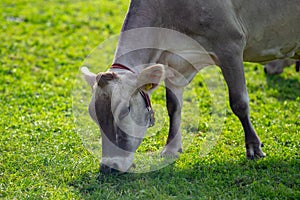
pixel 120 66
pixel 144 94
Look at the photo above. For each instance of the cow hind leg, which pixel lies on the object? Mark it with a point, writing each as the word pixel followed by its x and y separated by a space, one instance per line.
pixel 232 69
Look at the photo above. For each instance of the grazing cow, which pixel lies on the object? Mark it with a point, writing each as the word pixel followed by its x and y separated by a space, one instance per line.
pixel 231 31
pixel 277 66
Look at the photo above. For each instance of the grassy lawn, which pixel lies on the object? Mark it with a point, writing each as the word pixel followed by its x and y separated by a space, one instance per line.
pixel 42 156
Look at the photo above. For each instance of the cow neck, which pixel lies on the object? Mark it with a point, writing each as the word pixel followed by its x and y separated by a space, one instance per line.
pixel 145 95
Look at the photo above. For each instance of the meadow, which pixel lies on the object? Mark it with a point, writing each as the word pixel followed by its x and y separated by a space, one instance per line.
pixel 42 155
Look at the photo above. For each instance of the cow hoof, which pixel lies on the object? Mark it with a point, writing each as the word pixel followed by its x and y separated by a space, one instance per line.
pixel 167 153
pixel 254 151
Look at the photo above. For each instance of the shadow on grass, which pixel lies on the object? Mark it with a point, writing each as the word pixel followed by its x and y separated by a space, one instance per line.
pixel 266 178
pixel 288 88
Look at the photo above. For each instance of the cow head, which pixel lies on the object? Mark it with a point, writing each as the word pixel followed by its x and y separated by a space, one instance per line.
pixel 121 111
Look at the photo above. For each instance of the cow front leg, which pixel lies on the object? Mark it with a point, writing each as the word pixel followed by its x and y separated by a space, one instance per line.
pixel 233 71
pixel 174 103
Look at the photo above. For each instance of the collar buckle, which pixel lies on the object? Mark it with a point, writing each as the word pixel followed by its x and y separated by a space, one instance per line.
pixel 152 118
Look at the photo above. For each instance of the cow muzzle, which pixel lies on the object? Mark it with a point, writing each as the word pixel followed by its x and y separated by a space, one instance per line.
pixel 116 165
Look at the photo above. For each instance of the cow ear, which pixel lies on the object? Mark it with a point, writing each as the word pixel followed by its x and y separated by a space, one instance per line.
pixel 150 77
pixel 88 76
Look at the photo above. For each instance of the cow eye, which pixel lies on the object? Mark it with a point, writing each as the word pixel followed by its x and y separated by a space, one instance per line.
pixel 124 112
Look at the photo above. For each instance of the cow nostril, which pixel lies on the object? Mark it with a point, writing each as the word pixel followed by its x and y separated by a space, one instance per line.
pixel 104 169
pixel 114 171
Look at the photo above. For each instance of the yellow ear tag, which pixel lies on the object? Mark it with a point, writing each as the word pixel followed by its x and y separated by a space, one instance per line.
pixel 148 87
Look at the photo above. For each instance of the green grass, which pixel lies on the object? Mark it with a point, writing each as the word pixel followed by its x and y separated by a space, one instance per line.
pixel 43 45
